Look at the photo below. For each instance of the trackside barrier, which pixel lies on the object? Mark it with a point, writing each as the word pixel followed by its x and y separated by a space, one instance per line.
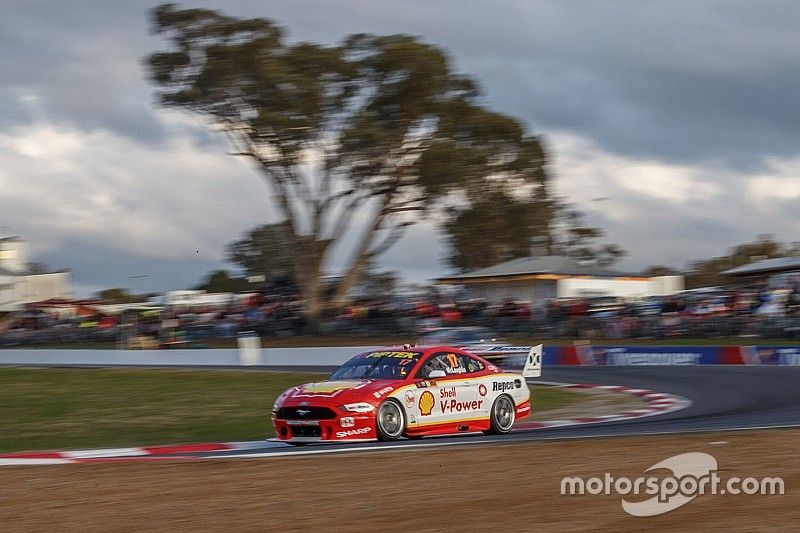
pixel 230 357
pixel 336 355
pixel 671 355
pixel 249 349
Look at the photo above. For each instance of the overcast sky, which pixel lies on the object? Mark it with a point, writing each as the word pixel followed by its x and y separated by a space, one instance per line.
pixel 683 118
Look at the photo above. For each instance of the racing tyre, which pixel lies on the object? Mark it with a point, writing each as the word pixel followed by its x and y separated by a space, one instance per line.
pixel 502 416
pixel 390 421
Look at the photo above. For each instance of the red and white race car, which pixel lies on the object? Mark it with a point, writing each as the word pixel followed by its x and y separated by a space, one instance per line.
pixel 408 391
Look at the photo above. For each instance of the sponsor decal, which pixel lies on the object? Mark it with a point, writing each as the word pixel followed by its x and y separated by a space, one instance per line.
pixel 789 356
pixel 478 348
pixel 347 421
pixel 351 432
pixel 482 389
pixel 426 403
pixel 330 388
pixel 302 422
pixel 447 392
pixel 425 384
pixel 381 392
pixel 656 359
pixel 456 406
pixel 503 386
pixel 399 355
pixel 410 398
pixel 449 403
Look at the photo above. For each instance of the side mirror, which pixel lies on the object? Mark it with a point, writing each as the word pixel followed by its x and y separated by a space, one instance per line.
pixel 437 374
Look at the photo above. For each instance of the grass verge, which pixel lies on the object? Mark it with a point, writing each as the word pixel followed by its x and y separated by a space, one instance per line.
pixel 44 409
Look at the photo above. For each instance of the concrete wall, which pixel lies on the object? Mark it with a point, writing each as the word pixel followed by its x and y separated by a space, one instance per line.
pixel 619 287
pixel 332 356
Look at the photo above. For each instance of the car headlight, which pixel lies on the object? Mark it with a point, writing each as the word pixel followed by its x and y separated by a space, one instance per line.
pixel 279 399
pixel 360 407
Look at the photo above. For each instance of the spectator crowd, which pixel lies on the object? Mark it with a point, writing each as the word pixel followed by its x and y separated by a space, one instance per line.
pixel 766 313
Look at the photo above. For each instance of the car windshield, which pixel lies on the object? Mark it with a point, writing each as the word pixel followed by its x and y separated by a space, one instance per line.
pixel 378 365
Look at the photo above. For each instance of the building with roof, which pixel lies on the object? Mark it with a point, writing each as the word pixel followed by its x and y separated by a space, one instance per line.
pixel 766 267
pixel 18 286
pixel 779 272
pixel 540 278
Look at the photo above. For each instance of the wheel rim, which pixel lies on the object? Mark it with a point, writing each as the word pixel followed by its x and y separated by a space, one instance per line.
pixel 504 413
pixel 391 419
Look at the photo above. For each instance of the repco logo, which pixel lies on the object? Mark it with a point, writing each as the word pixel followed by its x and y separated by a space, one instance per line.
pixel 502 386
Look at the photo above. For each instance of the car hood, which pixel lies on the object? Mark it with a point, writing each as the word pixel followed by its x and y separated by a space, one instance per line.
pixel 342 391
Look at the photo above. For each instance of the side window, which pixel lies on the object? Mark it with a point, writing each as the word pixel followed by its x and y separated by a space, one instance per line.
pixel 451 363
pixel 434 363
pixel 472 365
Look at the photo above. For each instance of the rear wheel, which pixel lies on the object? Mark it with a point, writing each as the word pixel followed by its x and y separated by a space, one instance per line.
pixel 390 421
pixel 502 416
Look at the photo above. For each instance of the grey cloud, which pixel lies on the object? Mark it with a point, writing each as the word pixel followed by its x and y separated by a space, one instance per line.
pixel 96 265
pixel 710 84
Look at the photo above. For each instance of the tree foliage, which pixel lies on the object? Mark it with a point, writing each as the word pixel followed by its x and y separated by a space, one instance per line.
pixel 495 228
pixel 500 226
pixel 660 270
pixel 379 126
pixel 707 272
pixel 266 250
pixel 222 281
pixel 120 296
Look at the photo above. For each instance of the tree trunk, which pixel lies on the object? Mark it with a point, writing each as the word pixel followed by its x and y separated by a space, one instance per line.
pixel 363 255
pixel 341 297
pixel 312 257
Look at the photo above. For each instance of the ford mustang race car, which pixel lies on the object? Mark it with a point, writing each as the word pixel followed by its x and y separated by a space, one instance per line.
pixel 409 391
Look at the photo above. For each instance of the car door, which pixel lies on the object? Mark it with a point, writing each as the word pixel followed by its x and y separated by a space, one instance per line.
pixel 449 398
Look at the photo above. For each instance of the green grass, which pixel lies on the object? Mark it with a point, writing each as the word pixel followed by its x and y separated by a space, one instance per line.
pixel 544 398
pixel 44 409
pixel 76 408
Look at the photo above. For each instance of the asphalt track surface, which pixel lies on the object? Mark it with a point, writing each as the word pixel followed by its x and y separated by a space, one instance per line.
pixel 723 398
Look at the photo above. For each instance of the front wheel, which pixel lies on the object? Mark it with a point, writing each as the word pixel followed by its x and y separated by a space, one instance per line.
pixel 502 416
pixel 390 421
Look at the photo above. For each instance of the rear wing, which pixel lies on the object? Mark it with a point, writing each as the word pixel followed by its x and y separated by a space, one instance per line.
pixel 532 367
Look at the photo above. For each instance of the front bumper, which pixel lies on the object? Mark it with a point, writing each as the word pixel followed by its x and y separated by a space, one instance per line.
pixel 342 427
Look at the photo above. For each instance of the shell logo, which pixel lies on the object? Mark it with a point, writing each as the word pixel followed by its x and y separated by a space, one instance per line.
pixel 426 403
